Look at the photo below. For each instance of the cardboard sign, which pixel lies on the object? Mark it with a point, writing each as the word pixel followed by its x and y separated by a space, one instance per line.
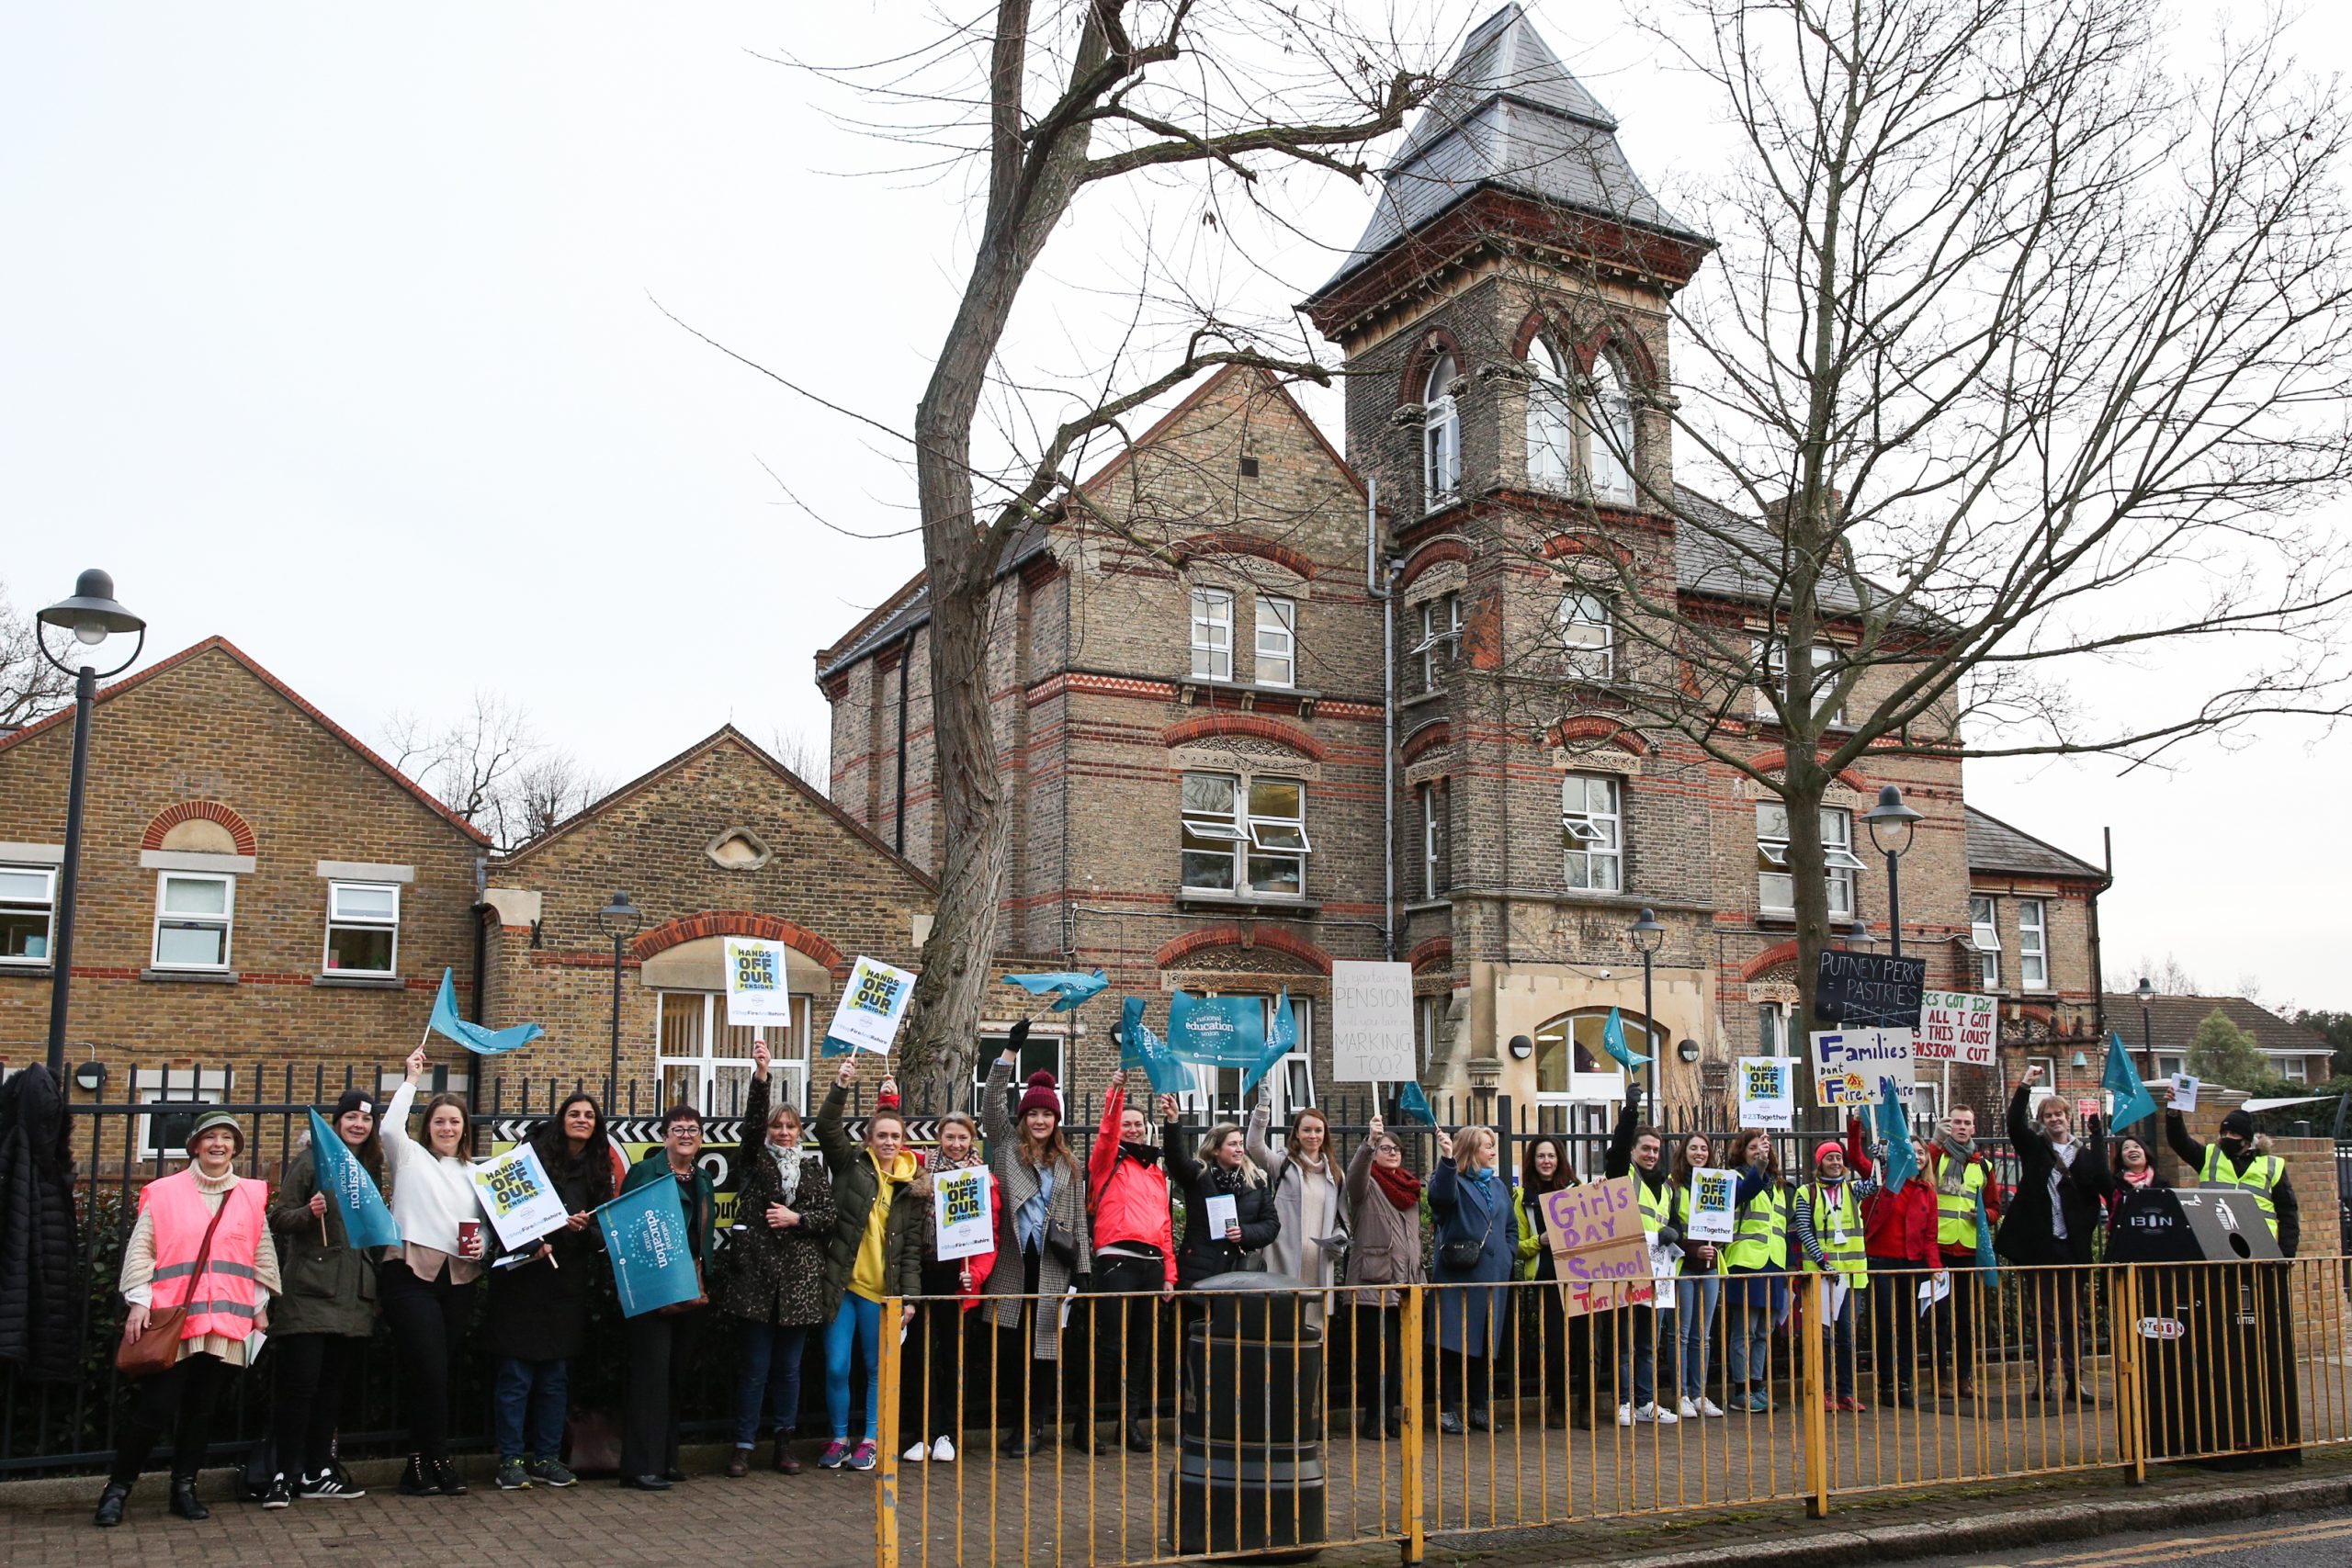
pixel 1767 1092
pixel 1713 1205
pixel 2184 1092
pixel 1868 990
pixel 1955 1026
pixel 517 1196
pixel 1371 1021
pixel 872 1007
pixel 755 989
pixel 1849 1063
pixel 1598 1248
pixel 962 1224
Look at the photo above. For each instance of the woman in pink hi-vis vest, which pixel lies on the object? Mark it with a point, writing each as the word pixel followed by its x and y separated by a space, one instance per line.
pixel 227 1301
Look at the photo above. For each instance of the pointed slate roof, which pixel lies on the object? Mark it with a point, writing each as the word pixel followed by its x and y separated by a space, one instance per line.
pixel 1510 117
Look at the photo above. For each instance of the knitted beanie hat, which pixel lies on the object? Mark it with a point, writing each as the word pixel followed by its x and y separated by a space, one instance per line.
pixel 355 1099
pixel 1040 1094
pixel 1826 1148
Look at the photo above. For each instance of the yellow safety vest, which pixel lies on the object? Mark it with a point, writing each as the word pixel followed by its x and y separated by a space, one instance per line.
pixel 2263 1173
pixel 1956 1211
pixel 1658 1208
pixel 1761 1238
pixel 1844 1218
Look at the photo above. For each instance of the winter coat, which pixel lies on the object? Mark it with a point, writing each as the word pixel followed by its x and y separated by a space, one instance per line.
pixel 1130 1199
pixel 699 1210
pixel 768 1275
pixel 1481 1213
pixel 1207 1253
pixel 2027 1234
pixel 538 1312
pixel 1900 1226
pixel 1293 1254
pixel 856 1186
pixel 40 1280
pixel 1065 1216
pixel 1383 1241
pixel 330 1285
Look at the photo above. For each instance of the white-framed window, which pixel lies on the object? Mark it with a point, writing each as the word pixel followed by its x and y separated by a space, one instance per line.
pixel 1433 830
pixel 705 1062
pixel 2169 1065
pixel 194 912
pixel 1441 628
pixel 1775 888
pixel 1426 1012
pixel 1277 642
pixel 1984 935
pixel 1245 835
pixel 1592 837
pixel 1216 1093
pixel 2291 1069
pixel 2033 944
pixel 1608 435
pixel 1587 636
pixel 1820 675
pixel 1773 1030
pixel 176 1098
pixel 1040 1052
pixel 1440 436
pixel 1550 422
pixel 28 913
pixel 362 928
pixel 1572 1066
pixel 2045 1088
pixel 1212 634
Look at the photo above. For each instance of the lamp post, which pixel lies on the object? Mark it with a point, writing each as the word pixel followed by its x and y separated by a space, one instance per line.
pixel 620 919
pixel 1647 934
pixel 2146 993
pixel 1890 826
pixel 92 616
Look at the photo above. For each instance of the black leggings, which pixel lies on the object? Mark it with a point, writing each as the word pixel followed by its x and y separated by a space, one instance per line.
pixel 931 1376
pixel 428 1321
pixel 180 1401
pixel 310 1373
pixel 1127 1334
pixel 1379 1384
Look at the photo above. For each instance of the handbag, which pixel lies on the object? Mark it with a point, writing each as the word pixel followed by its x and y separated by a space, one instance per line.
pixel 158 1347
pixel 1465 1253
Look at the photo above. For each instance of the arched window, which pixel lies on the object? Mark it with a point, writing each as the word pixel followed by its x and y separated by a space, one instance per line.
pixel 1550 422
pixel 1571 1066
pixel 1608 435
pixel 1440 436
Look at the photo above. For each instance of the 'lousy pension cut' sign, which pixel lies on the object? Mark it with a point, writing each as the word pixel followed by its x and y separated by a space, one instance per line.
pixel 1598 1247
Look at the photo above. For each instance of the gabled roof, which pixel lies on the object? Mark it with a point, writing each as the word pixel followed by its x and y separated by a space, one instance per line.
pixel 1509 116
pixel 726 733
pixel 2173 1021
pixel 1993 845
pixel 1721 556
pixel 293 698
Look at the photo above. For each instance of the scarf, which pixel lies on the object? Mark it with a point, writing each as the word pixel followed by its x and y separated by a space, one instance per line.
pixel 940 1162
pixel 1224 1179
pixel 787 1171
pixel 1400 1187
pixel 2143 1179
pixel 1144 1154
pixel 1958 1154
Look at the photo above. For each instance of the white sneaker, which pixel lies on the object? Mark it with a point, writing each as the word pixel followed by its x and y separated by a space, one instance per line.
pixel 1708 1408
pixel 1651 1411
pixel 1624 1415
pixel 917 1454
pixel 1687 1411
pixel 944 1451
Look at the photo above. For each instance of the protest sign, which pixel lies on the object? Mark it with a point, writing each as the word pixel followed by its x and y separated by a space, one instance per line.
pixel 645 1235
pixel 1955 1027
pixel 337 1171
pixel 1849 1065
pixel 2184 1092
pixel 872 1007
pixel 1713 1205
pixel 755 989
pixel 1371 1021
pixel 1216 1032
pixel 517 1196
pixel 1767 1092
pixel 1599 1249
pixel 1868 990
pixel 1222 1212
pixel 962 1224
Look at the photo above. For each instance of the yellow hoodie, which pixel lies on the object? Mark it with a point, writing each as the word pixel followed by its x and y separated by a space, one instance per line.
pixel 866 1278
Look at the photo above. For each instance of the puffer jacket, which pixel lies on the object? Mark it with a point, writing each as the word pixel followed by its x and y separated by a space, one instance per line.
pixel 856 1186
pixel 330 1284
pixel 1207 1253
pixel 1130 1199
pixel 41 1279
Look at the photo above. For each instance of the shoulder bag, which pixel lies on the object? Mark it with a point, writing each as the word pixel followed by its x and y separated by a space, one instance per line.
pixel 157 1348
pixel 1465 1253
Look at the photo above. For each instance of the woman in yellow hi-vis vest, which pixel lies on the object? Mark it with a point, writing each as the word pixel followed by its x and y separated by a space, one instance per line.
pixel 1755 1287
pixel 1827 1215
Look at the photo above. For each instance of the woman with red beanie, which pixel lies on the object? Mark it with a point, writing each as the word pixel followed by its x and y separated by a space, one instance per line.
pixel 1899 1240
pixel 1041 1242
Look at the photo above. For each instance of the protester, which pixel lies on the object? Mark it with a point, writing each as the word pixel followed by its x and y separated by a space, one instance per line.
pixel 327 1316
pixel 2134 1171
pixel 1223 1171
pixel 1041 1241
pixel 1699 1287
pixel 1635 1150
pixel 873 1252
pixel 208 1213
pixel 537 1322
pixel 1965 1187
pixel 1384 1250
pixel 931 1381
pixel 2053 1220
pixel 1564 1343
pixel 1477 1241
pixel 2237 1157
pixel 1827 1214
pixel 663 1344
pixel 1899 1251
pixel 427 1285
pixel 772 1281
pixel 1755 1290
pixel 1134 1251
pixel 1305 1184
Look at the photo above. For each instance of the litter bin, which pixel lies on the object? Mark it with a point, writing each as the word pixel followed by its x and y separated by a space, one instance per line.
pixel 1249 1472
pixel 2217 1347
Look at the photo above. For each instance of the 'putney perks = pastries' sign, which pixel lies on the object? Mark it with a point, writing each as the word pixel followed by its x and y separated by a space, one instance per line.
pixel 1868 990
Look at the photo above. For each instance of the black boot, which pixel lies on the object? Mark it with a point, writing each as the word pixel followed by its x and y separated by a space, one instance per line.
pixel 1081 1440
pixel 110 1502
pixel 184 1501
pixel 446 1478
pixel 1015 1445
pixel 1369 1427
pixel 1139 1437
pixel 417 1480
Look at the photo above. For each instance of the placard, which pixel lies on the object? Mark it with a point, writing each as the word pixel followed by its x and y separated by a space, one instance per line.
pixel 1221 1212
pixel 756 987
pixel 872 1007
pixel 1955 1026
pixel 1371 1021
pixel 1767 1092
pixel 1849 1063
pixel 517 1196
pixel 1715 1206
pixel 1868 990
pixel 2184 1092
pixel 962 1222
pixel 1598 1248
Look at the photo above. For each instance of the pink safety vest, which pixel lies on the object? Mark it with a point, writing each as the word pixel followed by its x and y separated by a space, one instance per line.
pixel 230 1295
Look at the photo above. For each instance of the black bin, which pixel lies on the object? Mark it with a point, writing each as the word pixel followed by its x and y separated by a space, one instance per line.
pixel 1249 1472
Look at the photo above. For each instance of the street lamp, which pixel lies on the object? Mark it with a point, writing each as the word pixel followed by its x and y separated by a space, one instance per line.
pixel 1890 826
pixel 620 919
pixel 2146 993
pixel 1647 934
pixel 92 616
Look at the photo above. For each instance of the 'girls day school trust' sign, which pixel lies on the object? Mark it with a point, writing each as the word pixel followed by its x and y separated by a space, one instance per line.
pixel 1599 1249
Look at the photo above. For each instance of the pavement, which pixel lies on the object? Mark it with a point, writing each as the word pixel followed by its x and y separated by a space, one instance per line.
pixel 2315 1540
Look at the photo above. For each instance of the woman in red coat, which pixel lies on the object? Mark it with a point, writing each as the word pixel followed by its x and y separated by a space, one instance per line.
pixel 1134 1251
pixel 1899 1237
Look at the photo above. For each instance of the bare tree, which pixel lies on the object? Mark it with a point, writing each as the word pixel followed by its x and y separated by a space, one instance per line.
pixel 491 768
pixel 31 685
pixel 2170 977
pixel 808 756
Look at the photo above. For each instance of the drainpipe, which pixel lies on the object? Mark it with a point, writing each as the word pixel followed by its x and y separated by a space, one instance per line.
pixel 1375 587
pixel 2098 970
pixel 899 808
pixel 482 958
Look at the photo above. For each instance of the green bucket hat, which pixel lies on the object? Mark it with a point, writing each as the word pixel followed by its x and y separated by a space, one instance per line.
pixel 210 1120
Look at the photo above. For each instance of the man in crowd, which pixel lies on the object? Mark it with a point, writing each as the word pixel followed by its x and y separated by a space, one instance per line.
pixel 2053 1220
pixel 1965 1186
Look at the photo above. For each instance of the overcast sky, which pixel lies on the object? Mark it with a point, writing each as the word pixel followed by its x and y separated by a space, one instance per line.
pixel 334 331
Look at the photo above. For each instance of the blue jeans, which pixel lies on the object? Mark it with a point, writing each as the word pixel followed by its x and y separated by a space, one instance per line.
pixel 771 1377
pixel 1751 1335
pixel 857 1326
pixel 1638 1331
pixel 529 1403
pixel 1697 1298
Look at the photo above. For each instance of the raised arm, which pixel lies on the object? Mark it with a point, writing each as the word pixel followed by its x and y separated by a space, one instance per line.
pixel 1620 1158
pixel 1178 1142
pixel 1857 1150
pixel 1253 1136
pixel 1357 1184
pixel 1103 1153
pixel 2021 1128
pixel 832 1135
pixel 394 1128
pixel 755 1112
pixel 996 1098
pixel 2192 1152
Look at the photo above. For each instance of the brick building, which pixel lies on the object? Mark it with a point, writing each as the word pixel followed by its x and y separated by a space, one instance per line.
pixel 2032 943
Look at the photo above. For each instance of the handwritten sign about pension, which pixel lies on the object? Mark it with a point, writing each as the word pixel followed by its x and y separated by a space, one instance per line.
pixel 755 986
pixel 1713 1205
pixel 1371 1021
pixel 517 1196
pixel 873 1004
pixel 1599 1249
pixel 1955 1027
pixel 1849 1063
pixel 1767 1092
pixel 962 1224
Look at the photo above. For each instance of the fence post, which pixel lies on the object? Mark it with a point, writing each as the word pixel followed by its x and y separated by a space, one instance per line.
pixel 1408 1372
pixel 2131 1388
pixel 885 1496
pixel 1816 1429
